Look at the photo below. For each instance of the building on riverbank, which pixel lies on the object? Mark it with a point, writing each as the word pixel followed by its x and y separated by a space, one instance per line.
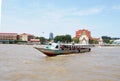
pixel 8 37
pixel 34 41
pixel 51 36
pixel 116 42
pixel 84 36
pixel 26 37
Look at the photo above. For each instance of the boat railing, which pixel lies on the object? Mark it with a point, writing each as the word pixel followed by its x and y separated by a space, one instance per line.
pixel 74 47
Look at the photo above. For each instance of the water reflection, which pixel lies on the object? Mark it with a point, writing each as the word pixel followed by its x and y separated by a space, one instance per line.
pixel 24 63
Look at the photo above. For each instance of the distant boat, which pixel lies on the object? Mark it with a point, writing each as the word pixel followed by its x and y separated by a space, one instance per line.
pixel 54 49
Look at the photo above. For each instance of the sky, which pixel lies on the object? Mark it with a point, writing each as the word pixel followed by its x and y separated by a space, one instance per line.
pixel 0 12
pixel 40 17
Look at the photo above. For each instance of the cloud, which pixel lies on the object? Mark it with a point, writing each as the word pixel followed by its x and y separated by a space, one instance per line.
pixel 76 12
pixel 55 15
pixel 86 12
pixel 36 18
pixel 0 7
pixel 116 7
pixel 49 11
pixel 0 13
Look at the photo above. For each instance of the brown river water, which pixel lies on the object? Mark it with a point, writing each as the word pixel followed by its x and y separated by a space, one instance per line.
pixel 24 63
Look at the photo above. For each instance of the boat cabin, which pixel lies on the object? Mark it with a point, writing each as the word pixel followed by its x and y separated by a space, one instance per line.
pixel 53 46
pixel 57 46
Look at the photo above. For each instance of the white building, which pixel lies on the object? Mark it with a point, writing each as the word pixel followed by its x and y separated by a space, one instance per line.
pixel 116 41
pixel 26 37
pixel 84 39
pixel 84 36
pixel 100 41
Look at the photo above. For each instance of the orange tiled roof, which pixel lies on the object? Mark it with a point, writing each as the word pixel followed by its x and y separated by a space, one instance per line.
pixel 80 32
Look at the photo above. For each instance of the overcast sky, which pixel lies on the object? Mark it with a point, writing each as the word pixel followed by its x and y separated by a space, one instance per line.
pixel 40 17
pixel 0 14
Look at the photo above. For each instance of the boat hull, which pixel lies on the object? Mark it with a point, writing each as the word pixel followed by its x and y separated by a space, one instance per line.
pixel 51 52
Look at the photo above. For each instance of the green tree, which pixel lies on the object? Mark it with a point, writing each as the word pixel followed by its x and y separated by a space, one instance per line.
pixel 59 38
pixel 106 39
pixel 93 41
pixel 90 41
pixel 76 40
pixel 63 38
pixel 42 39
pixel 68 38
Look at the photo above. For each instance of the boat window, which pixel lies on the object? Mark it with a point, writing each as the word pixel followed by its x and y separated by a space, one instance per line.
pixel 56 46
pixel 50 44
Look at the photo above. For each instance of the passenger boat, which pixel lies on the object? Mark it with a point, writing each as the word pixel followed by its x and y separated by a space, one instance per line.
pixel 54 49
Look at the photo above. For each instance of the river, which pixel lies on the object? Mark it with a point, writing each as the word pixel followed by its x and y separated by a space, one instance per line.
pixel 24 63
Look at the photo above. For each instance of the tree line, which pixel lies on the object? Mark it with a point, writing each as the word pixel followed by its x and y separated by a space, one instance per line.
pixel 68 39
